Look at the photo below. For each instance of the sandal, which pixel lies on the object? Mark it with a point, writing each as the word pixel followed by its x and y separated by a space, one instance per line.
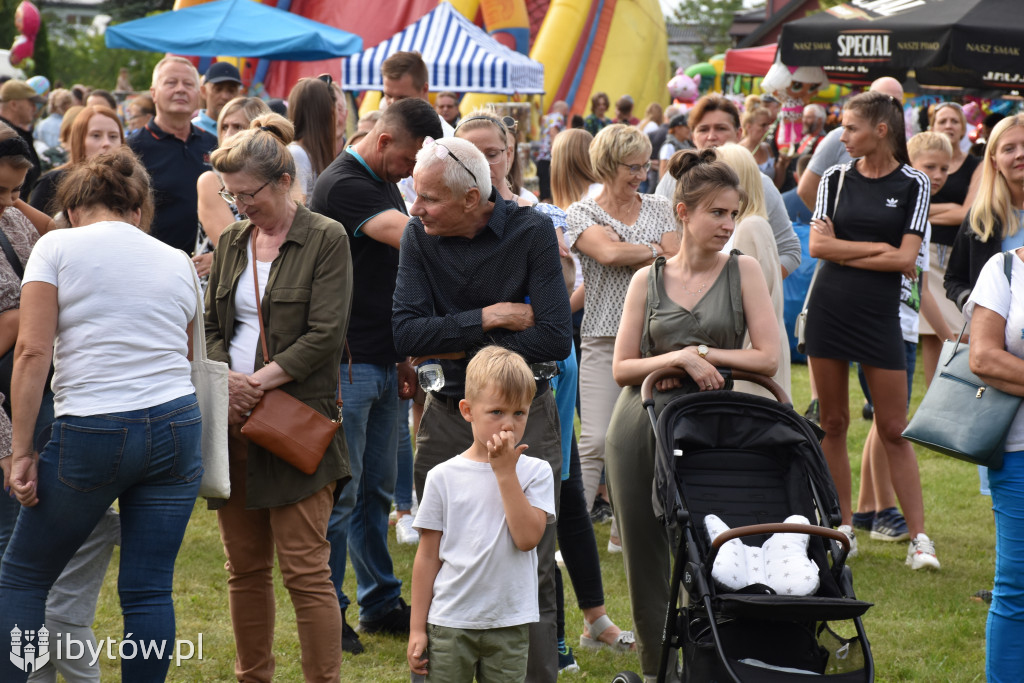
pixel 624 643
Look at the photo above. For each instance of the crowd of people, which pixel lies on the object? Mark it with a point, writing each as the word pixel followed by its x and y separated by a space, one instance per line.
pixel 462 318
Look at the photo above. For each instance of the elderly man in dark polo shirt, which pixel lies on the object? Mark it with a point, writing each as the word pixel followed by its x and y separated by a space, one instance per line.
pixel 175 152
pixel 358 190
pixel 476 270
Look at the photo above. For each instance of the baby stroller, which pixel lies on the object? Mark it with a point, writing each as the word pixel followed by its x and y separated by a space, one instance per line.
pixel 752 462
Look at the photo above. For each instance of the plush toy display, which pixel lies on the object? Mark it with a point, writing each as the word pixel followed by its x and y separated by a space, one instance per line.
pixel 684 90
pixel 781 563
pixel 26 20
pixel 794 87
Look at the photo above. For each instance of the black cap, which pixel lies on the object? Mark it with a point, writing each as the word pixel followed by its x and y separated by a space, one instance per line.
pixel 220 72
pixel 679 120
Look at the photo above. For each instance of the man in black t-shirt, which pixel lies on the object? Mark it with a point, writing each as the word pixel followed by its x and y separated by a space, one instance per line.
pixel 358 189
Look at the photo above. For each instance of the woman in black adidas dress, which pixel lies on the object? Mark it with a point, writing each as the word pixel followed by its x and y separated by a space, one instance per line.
pixel 867 238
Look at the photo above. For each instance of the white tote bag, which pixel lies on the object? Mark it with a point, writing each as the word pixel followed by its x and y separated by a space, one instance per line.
pixel 210 378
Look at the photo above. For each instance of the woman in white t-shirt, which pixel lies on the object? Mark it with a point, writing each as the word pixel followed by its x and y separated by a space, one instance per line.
pixel 113 307
pixel 997 356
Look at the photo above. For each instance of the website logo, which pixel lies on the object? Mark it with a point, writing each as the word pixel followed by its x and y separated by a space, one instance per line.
pixel 30 650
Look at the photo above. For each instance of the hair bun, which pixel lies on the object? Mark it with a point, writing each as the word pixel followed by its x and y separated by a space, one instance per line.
pixel 683 161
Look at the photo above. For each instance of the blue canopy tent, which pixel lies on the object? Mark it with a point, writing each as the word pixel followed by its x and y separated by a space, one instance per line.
pixel 459 55
pixel 234 27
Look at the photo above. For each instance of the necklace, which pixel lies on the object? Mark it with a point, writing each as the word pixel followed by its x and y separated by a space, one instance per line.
pixel 700 289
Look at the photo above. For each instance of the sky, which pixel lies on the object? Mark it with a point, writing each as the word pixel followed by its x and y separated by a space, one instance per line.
pixel 668 5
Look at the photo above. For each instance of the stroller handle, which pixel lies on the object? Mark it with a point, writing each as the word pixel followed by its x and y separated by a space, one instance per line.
pixel 778 528
pixel 647 388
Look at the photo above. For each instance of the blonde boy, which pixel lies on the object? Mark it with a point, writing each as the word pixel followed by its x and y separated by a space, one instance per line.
pixel 474 581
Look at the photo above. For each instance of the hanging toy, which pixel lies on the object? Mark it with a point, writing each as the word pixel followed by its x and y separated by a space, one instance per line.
pixel 684 90
pixel 794 87
pixel 26 20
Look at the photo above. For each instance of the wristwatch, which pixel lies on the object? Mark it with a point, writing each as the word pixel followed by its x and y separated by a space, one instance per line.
pixel 702 350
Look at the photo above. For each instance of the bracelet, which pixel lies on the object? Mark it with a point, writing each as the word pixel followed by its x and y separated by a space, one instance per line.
pixel 654 252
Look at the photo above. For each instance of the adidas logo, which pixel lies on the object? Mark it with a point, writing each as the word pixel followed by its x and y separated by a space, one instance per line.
pixel 891 203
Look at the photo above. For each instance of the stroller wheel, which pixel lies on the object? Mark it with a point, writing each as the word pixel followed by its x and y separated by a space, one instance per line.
pixel 627 677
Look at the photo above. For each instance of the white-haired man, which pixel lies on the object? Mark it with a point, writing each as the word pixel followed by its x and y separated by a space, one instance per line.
pixel 175 152
pixel 476 270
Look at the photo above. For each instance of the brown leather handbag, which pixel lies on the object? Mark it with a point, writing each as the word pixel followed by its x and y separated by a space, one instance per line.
pixel 283 424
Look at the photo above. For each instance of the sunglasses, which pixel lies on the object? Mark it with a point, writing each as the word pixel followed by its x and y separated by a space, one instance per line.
pixel 504 124
pixel 441 152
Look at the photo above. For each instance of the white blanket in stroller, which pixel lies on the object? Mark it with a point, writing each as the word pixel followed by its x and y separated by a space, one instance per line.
pixel 781 563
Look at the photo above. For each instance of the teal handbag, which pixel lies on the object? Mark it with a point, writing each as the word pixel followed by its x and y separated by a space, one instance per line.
pixel 961 416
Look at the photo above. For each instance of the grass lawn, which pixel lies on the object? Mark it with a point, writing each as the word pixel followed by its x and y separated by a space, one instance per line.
pixel 923 626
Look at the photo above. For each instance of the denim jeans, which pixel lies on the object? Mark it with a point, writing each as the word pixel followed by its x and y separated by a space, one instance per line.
pixel 149 461
pixel 9 506
pixel 1004 657
pixel 359 521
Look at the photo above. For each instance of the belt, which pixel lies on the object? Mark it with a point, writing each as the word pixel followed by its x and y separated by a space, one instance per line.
pixel 452 402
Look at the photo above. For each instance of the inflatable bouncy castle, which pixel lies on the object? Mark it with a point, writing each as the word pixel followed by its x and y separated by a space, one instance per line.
pixel 586 46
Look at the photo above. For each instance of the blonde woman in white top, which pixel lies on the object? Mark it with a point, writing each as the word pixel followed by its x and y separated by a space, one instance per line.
pixel 614 233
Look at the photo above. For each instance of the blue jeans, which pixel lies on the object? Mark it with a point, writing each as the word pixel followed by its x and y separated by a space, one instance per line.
pixel 359 521
pixel 1004 658
pixel 149 461
pixel 403 479
pixel 9 506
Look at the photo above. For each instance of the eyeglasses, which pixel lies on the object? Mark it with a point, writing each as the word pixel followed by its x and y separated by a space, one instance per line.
pixel 505 124
pixel 440 151
pixel 246 198
pixel 637 169
pixel 494 156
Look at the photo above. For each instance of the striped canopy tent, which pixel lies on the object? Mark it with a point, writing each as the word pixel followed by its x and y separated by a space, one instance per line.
pixel 460 56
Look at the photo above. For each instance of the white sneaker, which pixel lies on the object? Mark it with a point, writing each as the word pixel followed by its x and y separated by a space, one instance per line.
pixel 848 530
pixel 613 547
pixel 921 553
pixel 404 532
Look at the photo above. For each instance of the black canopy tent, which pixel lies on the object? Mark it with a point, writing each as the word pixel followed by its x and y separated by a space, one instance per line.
pixel 966 43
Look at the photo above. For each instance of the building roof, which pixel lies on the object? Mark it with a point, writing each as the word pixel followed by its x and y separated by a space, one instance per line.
pixel 769 26
pixel 682 34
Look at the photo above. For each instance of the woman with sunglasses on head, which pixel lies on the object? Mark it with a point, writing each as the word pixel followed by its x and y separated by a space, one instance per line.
pixel 948 209
pixel 214 213
pixel 614 233
pixel 490 134
pixel 868 225
pixel 288 270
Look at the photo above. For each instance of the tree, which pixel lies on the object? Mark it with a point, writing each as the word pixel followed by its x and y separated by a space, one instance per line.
pixel 126 10
pixel 80 55
pixel 711 20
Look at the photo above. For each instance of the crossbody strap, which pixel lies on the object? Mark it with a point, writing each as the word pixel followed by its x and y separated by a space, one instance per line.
pixel 198 323
pixel 263 334
pixel 817 266
pixel 12 257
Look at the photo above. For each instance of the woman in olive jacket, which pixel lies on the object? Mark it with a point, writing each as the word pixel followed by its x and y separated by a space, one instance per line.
pixel 304 275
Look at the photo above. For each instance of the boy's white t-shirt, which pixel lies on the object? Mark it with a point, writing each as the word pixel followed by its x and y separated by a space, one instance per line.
pixel 125 299
pixel 911 290
pixel 485 581
pixel 993 292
